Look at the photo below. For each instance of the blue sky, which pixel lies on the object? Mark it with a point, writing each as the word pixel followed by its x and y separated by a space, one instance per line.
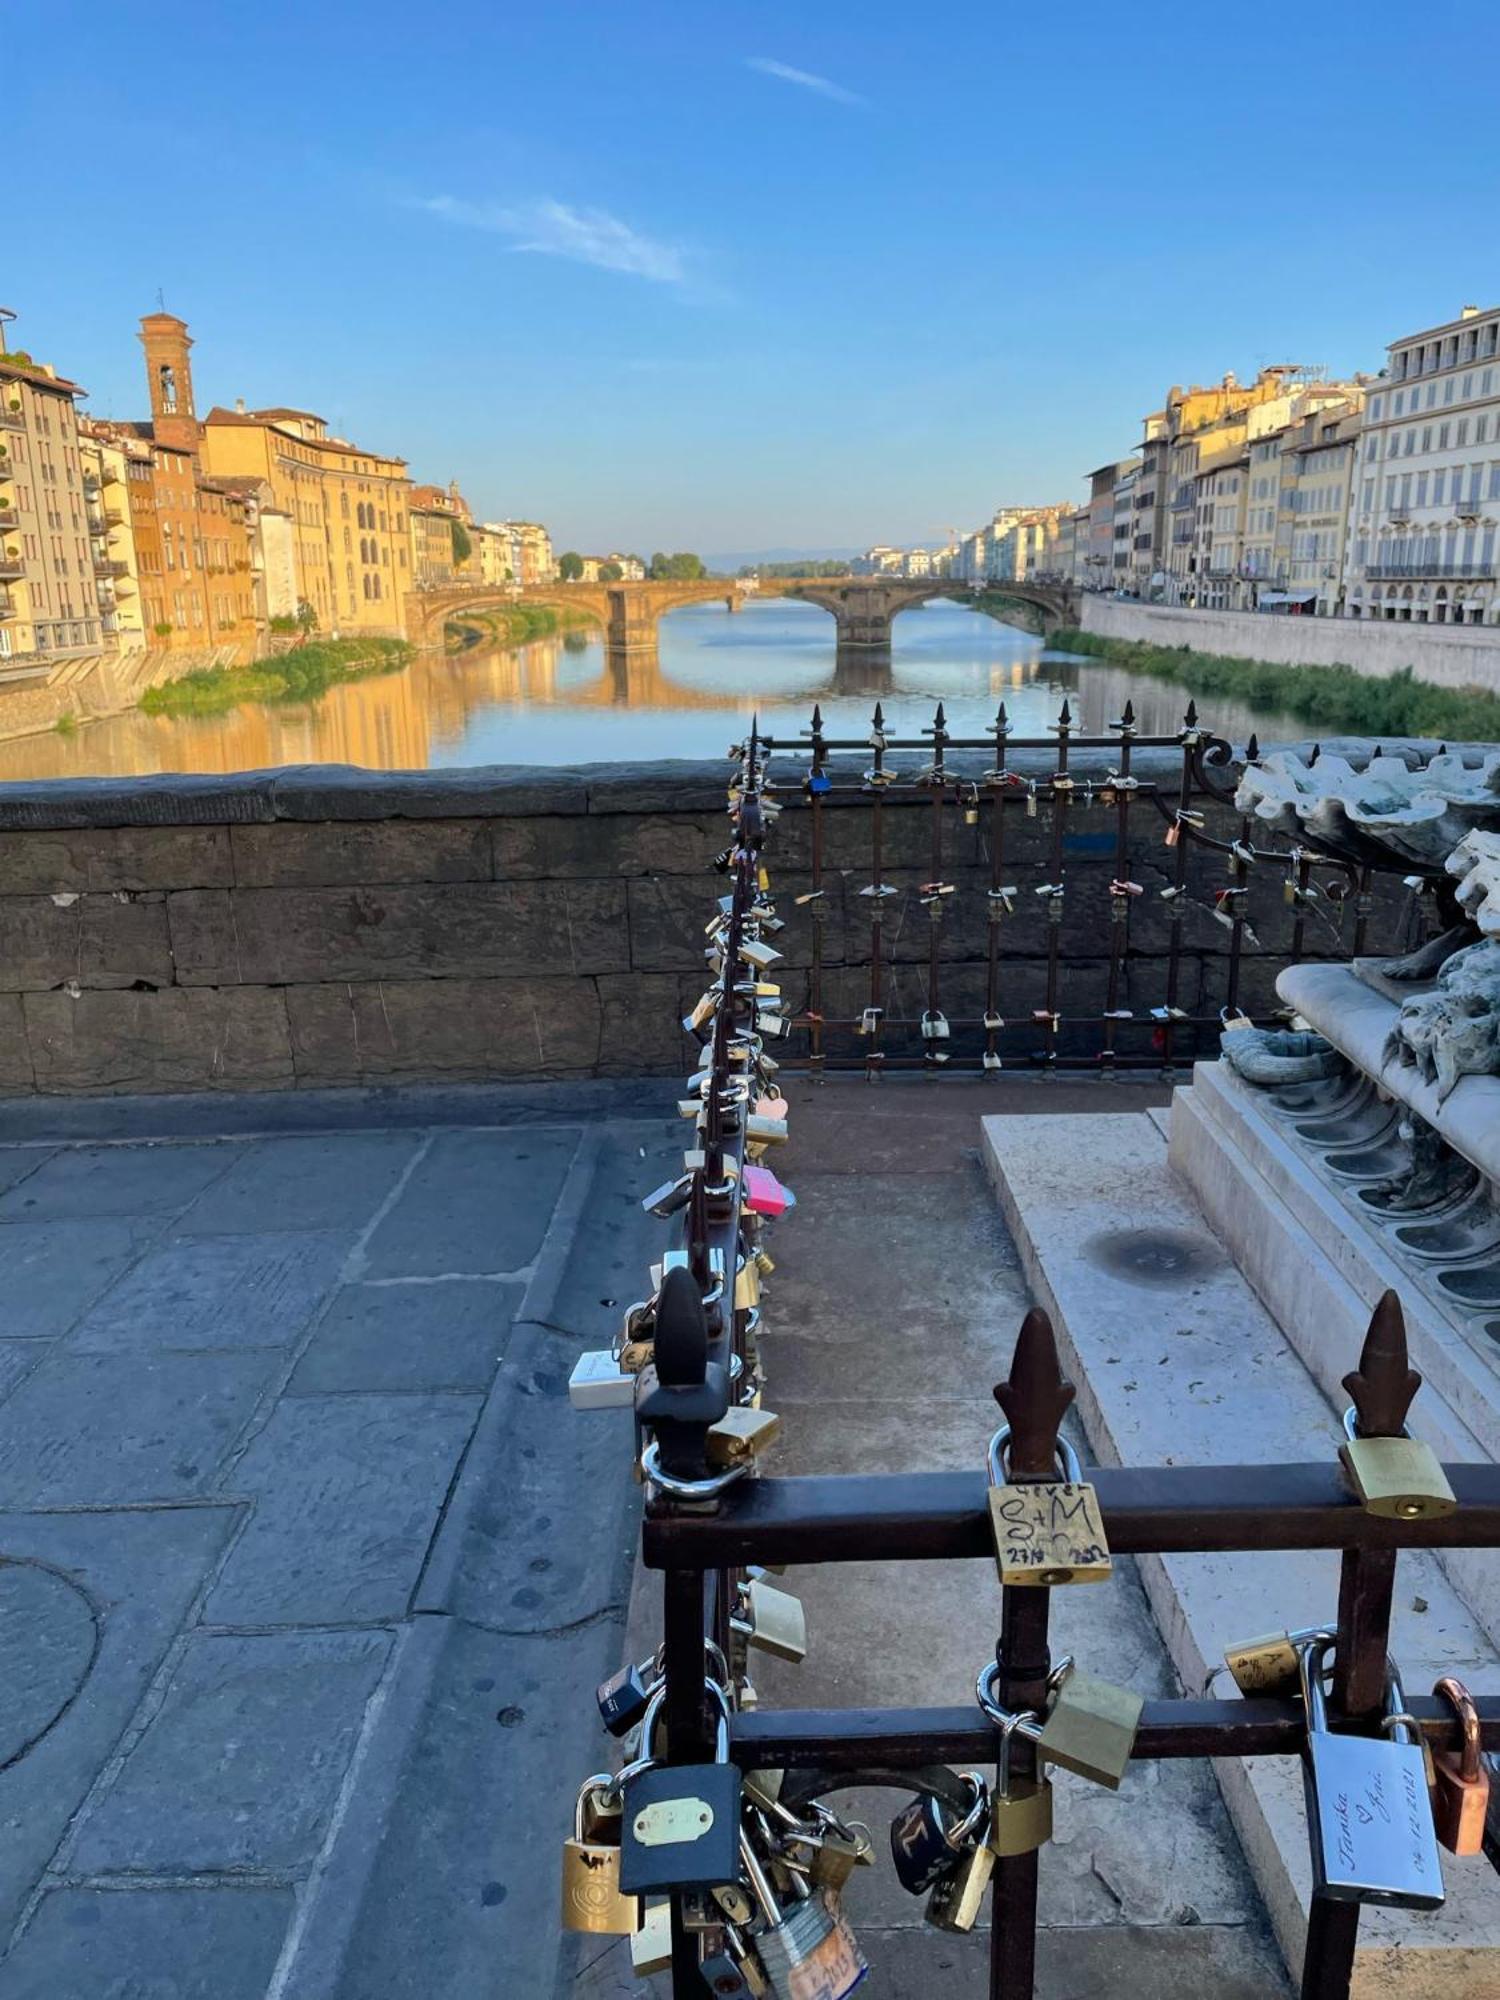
pixel 727 277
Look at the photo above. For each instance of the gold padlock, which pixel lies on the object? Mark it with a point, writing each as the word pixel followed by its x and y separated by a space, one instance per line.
pixel 741 1433
pixel 746 1285
pixel 840 1850
pixel 1020 1808
pixel 1271 1663
pixel 956 1900
pixel 1047 1532
pixel 1091 1725
pixel 1398 1478
pixel 591 1896
pixel 774 1621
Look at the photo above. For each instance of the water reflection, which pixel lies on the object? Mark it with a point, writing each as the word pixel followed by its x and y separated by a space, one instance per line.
pixel 562 701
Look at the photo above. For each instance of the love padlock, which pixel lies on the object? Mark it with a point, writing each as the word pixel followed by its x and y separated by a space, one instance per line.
pixel 764 1194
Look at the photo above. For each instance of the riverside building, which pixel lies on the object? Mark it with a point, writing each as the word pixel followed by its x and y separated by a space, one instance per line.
pixel 1426 504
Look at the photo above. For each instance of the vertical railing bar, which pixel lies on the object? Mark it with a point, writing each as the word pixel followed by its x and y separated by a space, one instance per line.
pixel 1062 786
pixel 1176 909
pixel 873 1051
pixel 1119 929
pixel 999 778
pixel 815 1051
pixel 938 780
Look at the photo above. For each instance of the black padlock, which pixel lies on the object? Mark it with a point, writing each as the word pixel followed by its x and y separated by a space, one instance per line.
pixel 681 1827
pixel 624 1698
pixel 927 1835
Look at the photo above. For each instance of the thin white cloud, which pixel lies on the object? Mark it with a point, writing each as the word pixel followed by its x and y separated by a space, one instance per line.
pixel 805 79
pixel 582 235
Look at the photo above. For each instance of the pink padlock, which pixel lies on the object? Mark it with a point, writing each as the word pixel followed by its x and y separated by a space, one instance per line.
pixel 764 1194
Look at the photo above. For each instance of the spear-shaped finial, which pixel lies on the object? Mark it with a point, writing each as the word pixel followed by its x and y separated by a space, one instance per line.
pixel 1383 1385
pixel 1317 751
pixel 1002 720
pixel 1127 719
pixel 1035 1398
pixel 1252 749
pixel 939 721
pixel 817 721
pixel 1190 720
pixel 879 716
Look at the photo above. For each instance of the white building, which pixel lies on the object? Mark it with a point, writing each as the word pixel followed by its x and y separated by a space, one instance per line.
pixel 1426 507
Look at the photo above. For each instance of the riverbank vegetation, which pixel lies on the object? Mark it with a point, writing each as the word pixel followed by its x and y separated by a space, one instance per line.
pixel 1332 698
pixel 301 674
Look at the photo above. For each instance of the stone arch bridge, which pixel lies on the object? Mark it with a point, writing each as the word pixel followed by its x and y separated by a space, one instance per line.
pixel 861 606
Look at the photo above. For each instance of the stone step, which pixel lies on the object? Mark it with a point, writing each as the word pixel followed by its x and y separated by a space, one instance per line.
pixel 1177 1362
pixel 1319 1265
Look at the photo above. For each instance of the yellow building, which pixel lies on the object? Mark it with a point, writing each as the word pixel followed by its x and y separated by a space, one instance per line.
pixel 346 505
pixel 118 572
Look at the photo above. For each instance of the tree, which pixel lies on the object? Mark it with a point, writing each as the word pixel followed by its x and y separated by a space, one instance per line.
pixel 681 568
pixel 463 548
pixel 307 618
pixel 610 572
pixel 570 566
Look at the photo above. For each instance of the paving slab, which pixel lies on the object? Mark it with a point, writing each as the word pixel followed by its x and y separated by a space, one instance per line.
pixel 17 1359
pixel 593 1291
pixel 149 1944
pixel 327 1181
pixel 139 1574
pixel 475 1202
pixel 241 1767
pixel 17 1162
pixel 54 1270
pixel 440 1333
pixel 102 1430
pixel 216 1292
pixel 348 1491
pixel 115 1180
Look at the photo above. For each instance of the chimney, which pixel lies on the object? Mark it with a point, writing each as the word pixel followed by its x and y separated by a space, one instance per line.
pixel 239 406
pixel 1468 312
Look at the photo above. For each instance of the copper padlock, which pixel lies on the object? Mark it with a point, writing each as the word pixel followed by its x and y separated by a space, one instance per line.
pixel 1460 1782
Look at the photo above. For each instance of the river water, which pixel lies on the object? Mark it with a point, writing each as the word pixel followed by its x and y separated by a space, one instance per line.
pixel 557 701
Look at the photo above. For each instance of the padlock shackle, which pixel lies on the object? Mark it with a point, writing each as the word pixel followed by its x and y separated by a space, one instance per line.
pixel 687 1489
pixel 1068 1466
pixel 1026 1720
pixel 1453 1691
pixel 1353 1432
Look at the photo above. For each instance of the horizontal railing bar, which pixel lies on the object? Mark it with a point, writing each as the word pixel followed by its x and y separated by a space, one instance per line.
pixel 851 1738
pixel 802 746
pixel 936 1516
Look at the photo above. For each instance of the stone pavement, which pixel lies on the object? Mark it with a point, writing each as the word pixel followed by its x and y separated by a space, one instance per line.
pixel 308 1570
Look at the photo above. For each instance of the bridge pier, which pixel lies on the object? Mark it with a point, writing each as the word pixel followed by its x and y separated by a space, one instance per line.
pixel 864 629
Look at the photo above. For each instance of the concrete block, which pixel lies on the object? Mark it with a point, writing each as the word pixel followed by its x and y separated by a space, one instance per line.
pixel 477 1202
pixel 215 1293
pixel 54 1271
pixel 139 1574
pixel 175 1944
pixel 333 1180
pixel 107 1429
pixel 393 1338
pixel 86 1181
pixel 354 852
pixel 170 1040
pixel 457 1029
pixel 121 857
pixel 240 1768
pixel 96 940
pixel 1176 1362
pixel 496 930
pixel 348 1491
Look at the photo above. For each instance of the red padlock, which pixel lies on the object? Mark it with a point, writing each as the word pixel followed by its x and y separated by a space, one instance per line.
pixel 764 1195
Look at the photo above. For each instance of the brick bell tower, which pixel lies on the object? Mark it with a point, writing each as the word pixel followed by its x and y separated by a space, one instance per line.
pixel 169 375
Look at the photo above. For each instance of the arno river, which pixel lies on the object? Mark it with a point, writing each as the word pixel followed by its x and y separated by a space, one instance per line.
pixel 557 701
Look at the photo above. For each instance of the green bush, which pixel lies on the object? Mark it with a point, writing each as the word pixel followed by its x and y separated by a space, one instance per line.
pixel 1334 698
pixel 300 675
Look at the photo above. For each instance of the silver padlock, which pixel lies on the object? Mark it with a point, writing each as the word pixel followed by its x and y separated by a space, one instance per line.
pixel 1369 1815
pixel 806 1948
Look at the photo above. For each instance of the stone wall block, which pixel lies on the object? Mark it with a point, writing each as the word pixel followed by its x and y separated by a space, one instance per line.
pixel 444 931
pixel 352 852
pixel 641 1024
pixel 175 1039
pixel 122 857
pixel 200 925
pixel 460 1029
pixel 602 845
pixel 17 1074
pixel 95 939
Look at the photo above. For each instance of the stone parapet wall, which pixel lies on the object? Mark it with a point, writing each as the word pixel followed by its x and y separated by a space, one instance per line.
pixel 323 926
pixel 1444 655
